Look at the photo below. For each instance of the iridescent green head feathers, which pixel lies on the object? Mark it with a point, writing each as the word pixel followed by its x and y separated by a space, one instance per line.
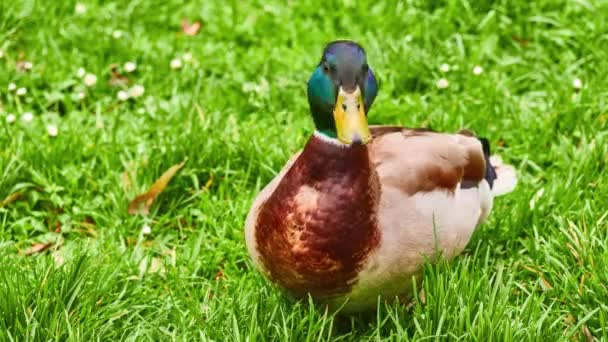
pixel 341 91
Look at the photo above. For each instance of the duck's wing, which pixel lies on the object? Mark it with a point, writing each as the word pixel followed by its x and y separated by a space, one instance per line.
pixel 420 160
pixel 456 166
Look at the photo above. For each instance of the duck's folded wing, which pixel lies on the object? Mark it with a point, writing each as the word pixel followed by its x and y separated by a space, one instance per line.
pixel 418 160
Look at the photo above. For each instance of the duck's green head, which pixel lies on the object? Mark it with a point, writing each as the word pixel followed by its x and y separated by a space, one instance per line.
pixel 341 91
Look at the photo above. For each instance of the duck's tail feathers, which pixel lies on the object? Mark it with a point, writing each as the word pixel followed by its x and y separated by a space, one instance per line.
pixel 506 177
pixel 501 177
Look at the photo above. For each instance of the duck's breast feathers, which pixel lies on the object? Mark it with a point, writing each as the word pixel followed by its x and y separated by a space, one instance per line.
pixel 315 230
pixel 416 160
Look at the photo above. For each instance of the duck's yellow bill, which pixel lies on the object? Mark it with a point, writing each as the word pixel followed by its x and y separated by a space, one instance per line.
pixel 349 115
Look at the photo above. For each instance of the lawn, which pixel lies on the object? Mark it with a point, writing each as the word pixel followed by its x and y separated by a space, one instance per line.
pixel 230 101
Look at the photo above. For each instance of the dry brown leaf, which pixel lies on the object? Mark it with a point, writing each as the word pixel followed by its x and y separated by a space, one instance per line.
pixel 10 199
pixel 39 247
pixel 587 333
pixel 190 29
pixel 546 285
pixel 142 203
pixel 116 79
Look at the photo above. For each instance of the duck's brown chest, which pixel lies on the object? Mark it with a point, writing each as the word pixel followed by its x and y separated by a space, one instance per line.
pixel 317 228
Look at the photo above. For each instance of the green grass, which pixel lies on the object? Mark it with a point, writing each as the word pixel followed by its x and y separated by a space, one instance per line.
pixel 537 270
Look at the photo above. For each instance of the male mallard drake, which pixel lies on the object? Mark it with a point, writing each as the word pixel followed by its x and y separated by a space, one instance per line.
pixel 357 212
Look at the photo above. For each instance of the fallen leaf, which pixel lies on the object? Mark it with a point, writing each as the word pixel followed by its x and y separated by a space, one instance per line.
pixel 39 247
pixel 546 285
pixel 147 199
pixel 190 29
pixel 587 333
pixel 10 199
pixel 57 227
pixel 116 79
pixel 219 275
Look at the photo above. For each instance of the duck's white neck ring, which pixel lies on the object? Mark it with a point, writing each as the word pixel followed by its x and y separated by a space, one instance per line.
pixel 329 140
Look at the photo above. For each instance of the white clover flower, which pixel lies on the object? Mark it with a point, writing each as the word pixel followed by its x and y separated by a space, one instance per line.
pixel 122 95
pixel 52 130
pixel 12 86
pixel 11 118
pixel 442 83
pixel 90 80
pixel 176 63
pixel 27 65
pixel 249 87
pixel 187 57
pixel 477 70
pixel 136 91
pixel 130 66
pixel 27 117
pixel 80 95
pixel 145 230
pixel 80 8
pixel 21 91
pixel 577 84
pixel 117 34
pixel 263 87
pixel 81 72
pixel 444 67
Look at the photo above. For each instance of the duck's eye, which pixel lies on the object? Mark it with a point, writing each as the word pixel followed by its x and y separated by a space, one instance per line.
pixel 325 68
pixel 365 68
pixel 358 106
pixel 344 107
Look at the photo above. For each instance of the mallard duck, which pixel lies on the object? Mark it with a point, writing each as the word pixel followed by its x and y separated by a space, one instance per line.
pixel 360 209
